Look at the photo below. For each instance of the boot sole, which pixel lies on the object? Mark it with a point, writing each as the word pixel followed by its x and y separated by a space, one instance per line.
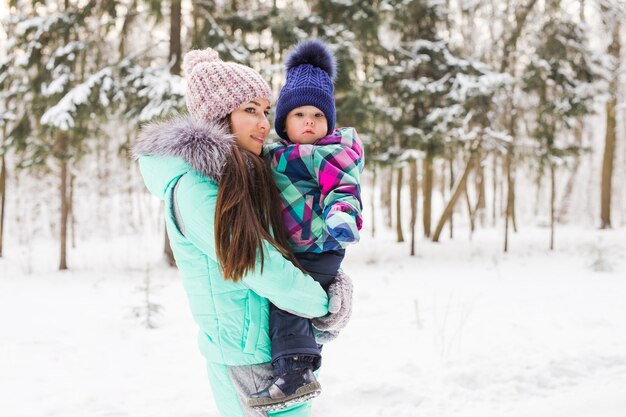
pixel 302 394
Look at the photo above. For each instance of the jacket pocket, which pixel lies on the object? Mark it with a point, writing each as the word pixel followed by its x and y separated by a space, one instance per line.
pixel 251 323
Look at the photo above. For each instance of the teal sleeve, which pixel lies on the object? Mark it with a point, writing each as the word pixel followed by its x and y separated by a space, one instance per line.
pixel 286 286
pixel 278 280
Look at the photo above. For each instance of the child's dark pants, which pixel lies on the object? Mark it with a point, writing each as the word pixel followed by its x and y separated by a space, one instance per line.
pixel 292 336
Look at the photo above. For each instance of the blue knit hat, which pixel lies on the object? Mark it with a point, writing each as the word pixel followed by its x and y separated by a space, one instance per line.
pixel 311 69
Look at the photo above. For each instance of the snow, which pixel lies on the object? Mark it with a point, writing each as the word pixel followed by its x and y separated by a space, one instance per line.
pixel 62 114
pixel 57 85
pixel 460 330
pixel 466 86
pixel 410 154
pixel 162 92
pixel 156 86
pixel 67 51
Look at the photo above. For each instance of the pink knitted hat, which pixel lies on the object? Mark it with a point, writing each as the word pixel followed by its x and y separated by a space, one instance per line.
pixel 215 88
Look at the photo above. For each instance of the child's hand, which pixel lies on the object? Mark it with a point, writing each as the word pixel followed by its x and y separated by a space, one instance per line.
pixel 342 226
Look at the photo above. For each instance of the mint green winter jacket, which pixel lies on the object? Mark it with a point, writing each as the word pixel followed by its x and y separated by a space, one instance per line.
pixel 233 316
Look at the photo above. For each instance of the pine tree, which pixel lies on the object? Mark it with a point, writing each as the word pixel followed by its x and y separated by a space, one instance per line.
pixel 54 52
pixel 68 83
pixel 560 81
pixel 431 91
pixel 507 103
pixel 10 89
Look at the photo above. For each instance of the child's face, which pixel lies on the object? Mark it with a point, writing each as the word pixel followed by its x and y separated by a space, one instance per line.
pixel 306 124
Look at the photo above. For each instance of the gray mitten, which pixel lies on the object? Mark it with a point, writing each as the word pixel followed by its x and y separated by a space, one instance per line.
pixel 339 307
pixel 324 336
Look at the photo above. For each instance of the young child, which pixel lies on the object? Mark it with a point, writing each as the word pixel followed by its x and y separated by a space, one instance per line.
pixel 317 170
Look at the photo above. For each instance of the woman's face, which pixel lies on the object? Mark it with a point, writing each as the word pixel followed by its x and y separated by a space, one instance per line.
pixel 250 126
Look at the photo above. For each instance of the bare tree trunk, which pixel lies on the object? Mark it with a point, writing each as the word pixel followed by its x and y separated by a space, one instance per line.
pixel 71 211
pixel 62 146
pixel 447 16
pixel 494 174
pixel 552 201
pixel 501 199
pixel 176 56
pixel 480 190
pixel 607 166
pixel 610 138
pixel 195 30
pixel 443 190
pixel 373 200
pixel 510 45
pixel 62 143
pixel 470 212
pixel 400 236
pixel 175 46
pixel 428 194
pixel 513 212
pixel 538 199
pixel 386 198
pixel 128 22
pixel 451 221
pixel 569 187
pixel 3 192
pixel 582 11
pixel 508 215
pixel 413 189
pixel 128 165
pixel 458 189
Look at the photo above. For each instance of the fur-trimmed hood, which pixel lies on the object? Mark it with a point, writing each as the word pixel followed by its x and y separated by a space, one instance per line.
pixel 204 146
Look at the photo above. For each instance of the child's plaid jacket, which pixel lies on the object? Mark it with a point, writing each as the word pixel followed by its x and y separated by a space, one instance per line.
pixel 320 190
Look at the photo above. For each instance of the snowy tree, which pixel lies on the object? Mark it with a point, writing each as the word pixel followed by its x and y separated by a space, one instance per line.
pixel 474 92
pixel 508 103
pixel 50 51
pixel 10 89
pixel 433 95
pixel 560 78
pixel 69 83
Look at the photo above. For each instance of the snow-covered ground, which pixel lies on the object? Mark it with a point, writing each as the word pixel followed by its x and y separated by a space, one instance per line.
pixel 462 329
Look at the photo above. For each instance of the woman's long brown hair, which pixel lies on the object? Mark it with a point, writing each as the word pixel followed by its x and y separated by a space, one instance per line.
pixel 247 213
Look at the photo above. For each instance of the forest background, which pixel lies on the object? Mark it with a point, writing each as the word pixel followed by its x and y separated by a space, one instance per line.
pixel 490 272
pixel 498 114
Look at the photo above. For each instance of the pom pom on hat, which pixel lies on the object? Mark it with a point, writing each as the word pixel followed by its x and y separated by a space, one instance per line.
pixel 216 88
pixel 311 69
pixel 314 53
pixel 195 57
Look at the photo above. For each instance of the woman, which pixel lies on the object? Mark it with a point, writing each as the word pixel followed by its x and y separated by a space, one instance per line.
pixel 230 262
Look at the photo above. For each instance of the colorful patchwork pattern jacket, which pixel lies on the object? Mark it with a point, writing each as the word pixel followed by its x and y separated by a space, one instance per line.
pixel 320 189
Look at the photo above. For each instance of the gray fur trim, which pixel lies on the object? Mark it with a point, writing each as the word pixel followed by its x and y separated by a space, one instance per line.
pixel 204 145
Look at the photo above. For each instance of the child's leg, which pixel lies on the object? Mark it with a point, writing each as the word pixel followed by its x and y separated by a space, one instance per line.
pixel 292 335
pixel 323 266
pixel 295 353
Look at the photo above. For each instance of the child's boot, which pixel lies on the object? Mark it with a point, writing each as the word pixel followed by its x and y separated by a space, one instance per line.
pixel 293 383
